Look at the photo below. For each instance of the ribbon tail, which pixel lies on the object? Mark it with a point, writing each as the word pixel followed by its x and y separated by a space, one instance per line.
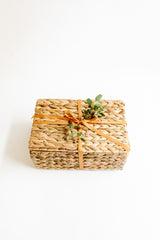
pixel 107 136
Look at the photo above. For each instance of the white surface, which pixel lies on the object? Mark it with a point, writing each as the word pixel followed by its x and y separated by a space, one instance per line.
pixel 77 49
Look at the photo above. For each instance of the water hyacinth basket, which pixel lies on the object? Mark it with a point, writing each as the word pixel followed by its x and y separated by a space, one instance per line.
pixel 104 144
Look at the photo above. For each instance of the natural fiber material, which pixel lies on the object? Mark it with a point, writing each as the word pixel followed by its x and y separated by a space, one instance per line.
pixel 50 149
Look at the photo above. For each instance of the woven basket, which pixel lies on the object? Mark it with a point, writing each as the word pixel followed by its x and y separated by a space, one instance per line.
pixel 50 149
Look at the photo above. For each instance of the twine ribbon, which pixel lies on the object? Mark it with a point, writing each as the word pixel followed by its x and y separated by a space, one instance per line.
pixel 68 117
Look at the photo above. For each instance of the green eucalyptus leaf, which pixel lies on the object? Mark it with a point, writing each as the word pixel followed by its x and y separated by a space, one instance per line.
pixel 97 105
pixel 98 97
pixel 89 101
pixel 82 138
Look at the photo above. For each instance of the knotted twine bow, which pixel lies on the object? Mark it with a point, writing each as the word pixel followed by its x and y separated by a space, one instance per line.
pixel 81 123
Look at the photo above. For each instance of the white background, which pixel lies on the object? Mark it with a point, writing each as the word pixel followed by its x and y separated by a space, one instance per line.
pixel 77 49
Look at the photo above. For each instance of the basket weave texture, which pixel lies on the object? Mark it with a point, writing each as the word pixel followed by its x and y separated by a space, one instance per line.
pixel 49 148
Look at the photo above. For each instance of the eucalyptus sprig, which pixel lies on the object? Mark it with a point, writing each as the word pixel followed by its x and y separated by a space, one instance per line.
pixel 94 108
pixel 73 132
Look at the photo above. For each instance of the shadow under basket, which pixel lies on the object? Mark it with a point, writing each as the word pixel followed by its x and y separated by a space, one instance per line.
pixel 104 144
